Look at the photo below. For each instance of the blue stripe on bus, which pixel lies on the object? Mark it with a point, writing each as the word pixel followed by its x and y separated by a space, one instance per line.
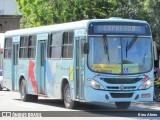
pixel 48 72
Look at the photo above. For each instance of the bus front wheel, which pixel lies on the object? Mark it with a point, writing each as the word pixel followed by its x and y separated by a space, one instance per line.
pixel 23 93
pixel 122 105
pixel 68 102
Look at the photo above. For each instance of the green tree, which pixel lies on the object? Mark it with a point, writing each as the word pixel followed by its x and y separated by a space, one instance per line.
pixel 153 12
pixel 71 10
pixel 45 12
pixel 35 12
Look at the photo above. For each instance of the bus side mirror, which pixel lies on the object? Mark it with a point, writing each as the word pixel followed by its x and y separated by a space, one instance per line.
pixel 86 48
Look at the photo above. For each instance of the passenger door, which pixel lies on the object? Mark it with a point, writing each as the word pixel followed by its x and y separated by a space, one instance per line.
pixel 40 60
pixel 80 67
pixel 15 65
pixel 15 52
pixel 42 66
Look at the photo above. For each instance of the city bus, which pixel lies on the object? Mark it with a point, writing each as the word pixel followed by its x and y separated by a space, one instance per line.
pixel 93 61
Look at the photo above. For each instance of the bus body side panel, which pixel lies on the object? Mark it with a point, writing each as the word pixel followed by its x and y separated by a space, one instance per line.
pixel 50 77
pixel 32 80
pixel 67 70
pixel 7 73
pixel 56 71
pixel 27 70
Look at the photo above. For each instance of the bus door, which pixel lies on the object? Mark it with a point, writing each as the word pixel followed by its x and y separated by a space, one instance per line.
pixel 80 68
pixel 15 66
pixel 42 57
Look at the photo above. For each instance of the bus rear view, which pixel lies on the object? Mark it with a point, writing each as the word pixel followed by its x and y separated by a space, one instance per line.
pixel 119 63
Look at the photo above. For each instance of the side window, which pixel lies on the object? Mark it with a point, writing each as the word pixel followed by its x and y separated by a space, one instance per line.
pixel 7 48
pixel 23 47
pixel 67 48
pixel 32 46
pixel 55 45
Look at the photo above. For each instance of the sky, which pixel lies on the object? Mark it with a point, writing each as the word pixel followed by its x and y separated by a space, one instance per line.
pixel 1 40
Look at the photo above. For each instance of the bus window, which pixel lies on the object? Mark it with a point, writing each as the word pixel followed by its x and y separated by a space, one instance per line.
pixel 67 48
pixel 32 46
pixel 7 48
pixel 23 47
pixel 55 45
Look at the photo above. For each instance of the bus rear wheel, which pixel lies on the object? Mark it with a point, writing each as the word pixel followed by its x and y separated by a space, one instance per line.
pixel 1 87
pixel 68 102
pixel 122 105
pixel 34 98
pixel 23 93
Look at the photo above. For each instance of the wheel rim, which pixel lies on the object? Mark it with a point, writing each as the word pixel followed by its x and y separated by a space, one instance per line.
pixel 67 96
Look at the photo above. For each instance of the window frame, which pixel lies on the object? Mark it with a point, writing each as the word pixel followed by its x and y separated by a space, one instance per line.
pixel 8 48
pixel 32 46
pixel 23 47
pixel 68 44
pixel 51 45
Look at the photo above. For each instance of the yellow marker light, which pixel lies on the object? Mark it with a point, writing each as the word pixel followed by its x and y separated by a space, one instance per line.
pixel 70 72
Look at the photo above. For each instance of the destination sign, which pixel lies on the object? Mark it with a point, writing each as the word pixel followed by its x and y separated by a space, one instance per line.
pixel 127 29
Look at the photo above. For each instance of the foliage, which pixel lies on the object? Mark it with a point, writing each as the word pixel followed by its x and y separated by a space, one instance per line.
pixel 35 12
pixel 45 12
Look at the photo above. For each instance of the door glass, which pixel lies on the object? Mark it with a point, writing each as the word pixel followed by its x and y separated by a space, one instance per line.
pixel 15 54
pixel 42 53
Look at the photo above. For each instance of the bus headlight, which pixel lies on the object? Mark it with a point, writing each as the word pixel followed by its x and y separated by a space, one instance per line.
pixel 94 84
pixel 146 85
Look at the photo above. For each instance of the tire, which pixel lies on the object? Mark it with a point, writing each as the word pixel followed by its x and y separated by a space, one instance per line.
pixel 34 98
pixel 68 102
pixel 23 93
pixel 156 95
pixel 122 105
pixel 1 87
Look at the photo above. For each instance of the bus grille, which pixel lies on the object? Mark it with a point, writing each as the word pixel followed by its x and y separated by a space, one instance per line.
pixel 121 80
pixel 118 88
pixel 121 95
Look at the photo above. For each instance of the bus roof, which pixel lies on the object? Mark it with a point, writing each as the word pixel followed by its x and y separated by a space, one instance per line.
pixel 64 26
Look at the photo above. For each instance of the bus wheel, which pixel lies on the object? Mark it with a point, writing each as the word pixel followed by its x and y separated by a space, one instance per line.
pixel 122 105
pixel 68 102
pixel 34 98
pixel 23 93
pixel 1 87
pixel 156 95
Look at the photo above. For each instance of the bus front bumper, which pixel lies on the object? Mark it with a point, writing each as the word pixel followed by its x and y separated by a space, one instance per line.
pixel 92 95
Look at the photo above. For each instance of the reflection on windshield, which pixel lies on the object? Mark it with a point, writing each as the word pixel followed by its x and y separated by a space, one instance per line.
pixel 128 46
pixel 138 57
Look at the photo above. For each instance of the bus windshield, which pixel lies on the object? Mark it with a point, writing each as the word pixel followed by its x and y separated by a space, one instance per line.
pixel 120 55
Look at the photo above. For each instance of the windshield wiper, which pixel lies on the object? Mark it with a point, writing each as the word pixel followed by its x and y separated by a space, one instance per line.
pixel 105 41
pixel 129 46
